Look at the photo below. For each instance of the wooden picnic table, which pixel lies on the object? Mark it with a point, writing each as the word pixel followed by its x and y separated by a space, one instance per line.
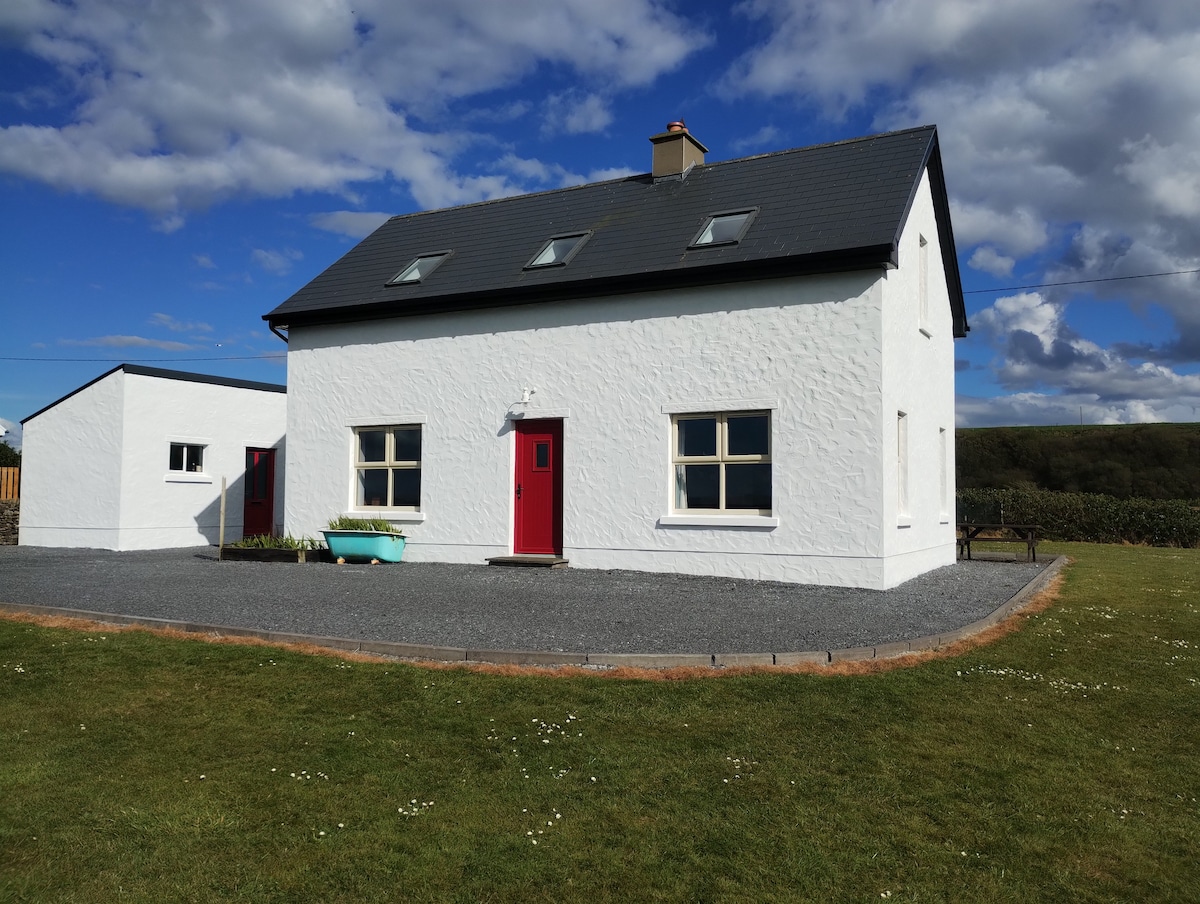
pixel 1010 533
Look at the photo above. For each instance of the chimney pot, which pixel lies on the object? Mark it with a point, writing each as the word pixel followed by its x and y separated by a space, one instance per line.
pixel 677 126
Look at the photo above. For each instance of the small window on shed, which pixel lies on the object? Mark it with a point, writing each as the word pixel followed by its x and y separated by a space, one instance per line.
pixel 558 250
pixel 724 228
pixel 419 268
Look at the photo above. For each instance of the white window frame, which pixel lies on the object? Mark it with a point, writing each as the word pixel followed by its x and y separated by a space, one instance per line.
pixel 419 268
pixel 703 238
pixel 721 458
pixel 186 446
pixel 540 260
pixel 389 463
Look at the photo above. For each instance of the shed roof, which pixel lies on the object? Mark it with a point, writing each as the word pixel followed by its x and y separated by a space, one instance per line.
pixel 826 208
pixel 162 373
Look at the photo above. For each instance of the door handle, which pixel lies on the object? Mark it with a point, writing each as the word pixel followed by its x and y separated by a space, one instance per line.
pixel 518 491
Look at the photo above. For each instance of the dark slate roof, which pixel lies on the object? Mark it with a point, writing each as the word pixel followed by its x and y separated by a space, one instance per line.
pixel 828 208
pixel 138 370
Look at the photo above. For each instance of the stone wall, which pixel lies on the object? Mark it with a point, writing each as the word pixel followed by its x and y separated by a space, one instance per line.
pixel 10 512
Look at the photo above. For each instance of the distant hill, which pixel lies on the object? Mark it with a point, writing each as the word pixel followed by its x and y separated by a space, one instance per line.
pixel 1152 461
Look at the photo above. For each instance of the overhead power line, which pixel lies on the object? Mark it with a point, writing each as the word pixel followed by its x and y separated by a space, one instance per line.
pixel 1079 282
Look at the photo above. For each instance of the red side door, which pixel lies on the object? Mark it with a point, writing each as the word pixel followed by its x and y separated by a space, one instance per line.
pixel 538 486
pixel 258 512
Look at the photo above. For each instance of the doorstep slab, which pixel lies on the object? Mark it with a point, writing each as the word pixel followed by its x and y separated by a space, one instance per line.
pixel 529 561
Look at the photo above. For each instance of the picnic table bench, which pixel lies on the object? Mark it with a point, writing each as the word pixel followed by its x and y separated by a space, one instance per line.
pixel 1009 533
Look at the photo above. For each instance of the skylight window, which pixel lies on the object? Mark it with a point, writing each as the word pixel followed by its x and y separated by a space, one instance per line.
pixel 724 228
pixel 419 268
pixel 559 250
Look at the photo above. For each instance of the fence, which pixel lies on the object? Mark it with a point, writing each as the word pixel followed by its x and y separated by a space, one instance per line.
pixel 10 483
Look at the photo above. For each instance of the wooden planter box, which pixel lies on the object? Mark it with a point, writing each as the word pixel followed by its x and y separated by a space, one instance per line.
pixel 252 554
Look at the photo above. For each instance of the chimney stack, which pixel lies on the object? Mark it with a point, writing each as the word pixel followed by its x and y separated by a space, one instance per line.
pixel 675 151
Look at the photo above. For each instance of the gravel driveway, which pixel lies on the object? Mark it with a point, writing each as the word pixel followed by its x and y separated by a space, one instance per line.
pixel 482 607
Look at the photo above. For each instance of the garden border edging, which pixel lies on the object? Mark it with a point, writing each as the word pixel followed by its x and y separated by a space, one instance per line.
pixel 594 660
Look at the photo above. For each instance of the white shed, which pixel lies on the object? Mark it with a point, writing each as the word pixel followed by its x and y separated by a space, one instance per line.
pixel 134 460
pixel 742 368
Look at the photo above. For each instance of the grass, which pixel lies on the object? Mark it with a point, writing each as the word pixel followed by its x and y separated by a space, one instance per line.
pixel 1060 763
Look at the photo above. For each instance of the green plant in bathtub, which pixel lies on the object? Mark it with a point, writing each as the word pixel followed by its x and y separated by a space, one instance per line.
pixel 345 522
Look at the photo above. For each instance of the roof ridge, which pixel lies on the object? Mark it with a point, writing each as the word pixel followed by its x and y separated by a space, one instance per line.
pixel 827 144
pixel 640 176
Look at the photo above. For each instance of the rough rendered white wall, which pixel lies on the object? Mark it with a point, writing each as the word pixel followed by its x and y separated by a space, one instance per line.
pixel 161 508
pixel 918 368
pixel 614 369
pixel 96 473
pixel 71 469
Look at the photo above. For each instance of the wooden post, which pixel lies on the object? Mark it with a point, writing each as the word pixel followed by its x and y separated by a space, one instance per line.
pixel 221 538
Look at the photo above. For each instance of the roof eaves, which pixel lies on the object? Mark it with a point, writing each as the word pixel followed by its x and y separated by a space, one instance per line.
pixel 657 280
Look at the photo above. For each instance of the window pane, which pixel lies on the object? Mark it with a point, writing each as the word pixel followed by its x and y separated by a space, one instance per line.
pixel 697 436
pixel 419 269
pixel 372 445
pixel 256 476
pixel 177 456
pixel 408 444
pixel 698 486
pixel 195 458
pixel 556 250
pixel 748 486
pixel 541 456
pixel 406 486
pixel 748 434
pixel 372 487
pixel 723 229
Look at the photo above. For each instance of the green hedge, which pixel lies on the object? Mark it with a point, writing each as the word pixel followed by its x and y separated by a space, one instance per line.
pixel 1087 517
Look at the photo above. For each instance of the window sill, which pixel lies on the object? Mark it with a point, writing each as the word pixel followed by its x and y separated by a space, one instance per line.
pixel 761 521
pixel 403 517
pixel 904 521
pixel 185 477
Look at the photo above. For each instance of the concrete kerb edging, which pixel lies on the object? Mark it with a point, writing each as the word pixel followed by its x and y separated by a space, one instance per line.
pixel 551 659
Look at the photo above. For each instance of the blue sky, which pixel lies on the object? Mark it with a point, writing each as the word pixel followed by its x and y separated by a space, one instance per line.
pixel 169 172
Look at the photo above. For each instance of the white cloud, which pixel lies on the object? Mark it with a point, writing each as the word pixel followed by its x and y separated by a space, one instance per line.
pixel 1048 409
pixel 1170 176
pixel 1019 232
pixel 575 113
pixel 353 223
pixel 1028 312
pixel 1069 130
pixel 543 175
pixel 204 262
pixel 277 262
pixel 766 137
pixel 129 342
pixel 12 433
pixel 989 260
pixel 1044 360
pixel 177 326
pixel 199 102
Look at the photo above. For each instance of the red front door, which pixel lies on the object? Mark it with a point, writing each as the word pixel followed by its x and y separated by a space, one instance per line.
pixel 258 512
pixel 538 487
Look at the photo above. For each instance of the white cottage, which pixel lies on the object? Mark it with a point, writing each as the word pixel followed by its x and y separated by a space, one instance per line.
pixel 741 368
pixel 134 460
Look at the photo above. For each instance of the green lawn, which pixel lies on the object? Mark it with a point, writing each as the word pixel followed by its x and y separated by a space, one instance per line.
pixel 1061 763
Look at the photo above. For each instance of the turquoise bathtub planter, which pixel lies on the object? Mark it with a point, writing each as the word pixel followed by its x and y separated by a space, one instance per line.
pixel 364 545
